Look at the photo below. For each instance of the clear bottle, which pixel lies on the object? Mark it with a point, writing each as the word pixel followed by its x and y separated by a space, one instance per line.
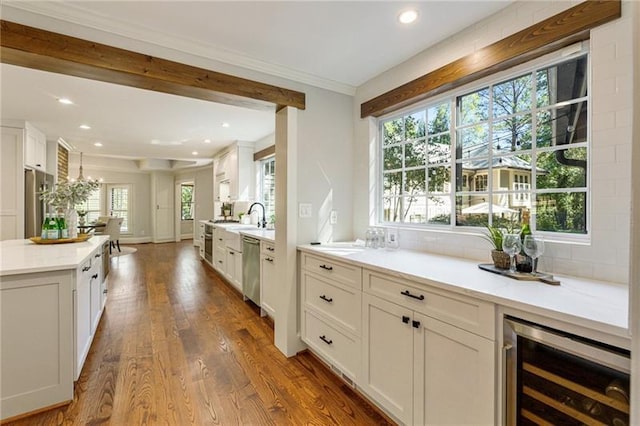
pixel 381 237
pixel 368 238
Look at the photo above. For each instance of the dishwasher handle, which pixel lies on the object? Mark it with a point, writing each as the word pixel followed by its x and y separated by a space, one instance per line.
pixel 250 240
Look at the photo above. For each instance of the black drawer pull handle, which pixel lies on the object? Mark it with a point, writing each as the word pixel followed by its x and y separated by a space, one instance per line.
pixel 415 324
pixel 105 291
pixel 326 299
pixel 327 268
pixel 271 249
pixel 327 341
pixel 405 319
pixel 94 276
pixel 219 261
pixel 85 269
pixel 231 253
pixel 268 259
pixel 97 255
pixel 408 293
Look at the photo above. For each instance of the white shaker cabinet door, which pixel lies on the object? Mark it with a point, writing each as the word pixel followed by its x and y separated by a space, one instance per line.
pixel 387 340
pixel 453 375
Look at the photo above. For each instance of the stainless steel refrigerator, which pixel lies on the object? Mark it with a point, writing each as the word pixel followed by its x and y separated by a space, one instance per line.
pixel 35 182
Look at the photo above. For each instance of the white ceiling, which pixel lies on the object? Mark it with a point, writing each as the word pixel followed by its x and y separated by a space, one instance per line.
pixel 335 45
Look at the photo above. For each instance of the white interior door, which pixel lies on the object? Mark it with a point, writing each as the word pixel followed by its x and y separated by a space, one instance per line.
pixel 162 185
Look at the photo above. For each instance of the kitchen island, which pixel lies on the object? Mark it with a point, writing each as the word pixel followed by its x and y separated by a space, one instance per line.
pixel 51 300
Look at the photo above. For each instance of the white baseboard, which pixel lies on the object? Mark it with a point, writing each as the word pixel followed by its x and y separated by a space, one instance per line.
pixel 186 237
pixel 135 240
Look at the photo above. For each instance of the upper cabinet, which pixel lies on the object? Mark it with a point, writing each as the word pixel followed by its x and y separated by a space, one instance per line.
pixel 233 173
pixel 35 148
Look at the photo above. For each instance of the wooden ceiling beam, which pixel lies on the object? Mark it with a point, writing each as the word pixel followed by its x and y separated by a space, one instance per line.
pixel 558 31
pixel 48 51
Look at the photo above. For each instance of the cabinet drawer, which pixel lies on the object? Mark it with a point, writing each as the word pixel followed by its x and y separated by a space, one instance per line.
pixel 340 272
pixel 267 248
pixel 337 348
pixel 340 303
pixel 476 316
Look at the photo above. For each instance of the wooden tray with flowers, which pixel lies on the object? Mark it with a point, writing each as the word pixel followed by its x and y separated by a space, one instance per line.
pixel 80 238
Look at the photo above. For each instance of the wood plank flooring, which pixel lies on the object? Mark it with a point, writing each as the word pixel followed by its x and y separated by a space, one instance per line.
pixel 177 346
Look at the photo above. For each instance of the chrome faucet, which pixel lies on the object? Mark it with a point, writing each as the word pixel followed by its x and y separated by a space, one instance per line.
pixel 261 223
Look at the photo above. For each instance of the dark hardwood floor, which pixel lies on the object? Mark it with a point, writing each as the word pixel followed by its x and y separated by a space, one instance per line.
pixel 177 346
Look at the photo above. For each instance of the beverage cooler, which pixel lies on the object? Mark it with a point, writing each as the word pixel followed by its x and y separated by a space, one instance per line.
pixel 557 378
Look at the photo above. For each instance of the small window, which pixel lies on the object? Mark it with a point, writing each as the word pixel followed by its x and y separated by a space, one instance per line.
pixel 268 186
pixel 119 205
pixel 186 201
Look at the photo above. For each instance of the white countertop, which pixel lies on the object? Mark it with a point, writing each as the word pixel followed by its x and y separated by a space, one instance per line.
pixel 598 305
pixel 25 257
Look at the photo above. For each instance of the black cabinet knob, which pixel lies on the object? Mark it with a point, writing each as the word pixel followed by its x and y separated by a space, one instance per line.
pixel 405 319
pixel 415 324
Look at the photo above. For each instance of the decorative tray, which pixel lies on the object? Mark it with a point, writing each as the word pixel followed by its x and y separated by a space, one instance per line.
pixel 522 276
pixel 78 239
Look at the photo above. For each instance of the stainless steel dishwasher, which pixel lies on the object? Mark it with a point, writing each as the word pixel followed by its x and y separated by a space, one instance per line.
pixel 251 269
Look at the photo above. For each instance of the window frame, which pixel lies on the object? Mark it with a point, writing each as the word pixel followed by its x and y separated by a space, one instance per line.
pixel 192 202
pixel 270 207
pixel 129 212
pixel 546 61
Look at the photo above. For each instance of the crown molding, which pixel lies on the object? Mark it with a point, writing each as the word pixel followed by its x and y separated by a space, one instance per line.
pixel 73 14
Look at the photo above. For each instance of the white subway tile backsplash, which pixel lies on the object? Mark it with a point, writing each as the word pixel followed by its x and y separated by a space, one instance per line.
pixel 573 267
pixel 603 121
pixel 603 155
pixel 623 118
pixel 611 273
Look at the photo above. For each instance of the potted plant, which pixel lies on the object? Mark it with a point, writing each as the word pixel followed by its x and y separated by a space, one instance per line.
pixel 64 196
pixel 501 260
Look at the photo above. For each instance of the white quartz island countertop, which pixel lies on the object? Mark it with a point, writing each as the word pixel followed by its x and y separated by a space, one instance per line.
pixel 597 305
pixel 24 256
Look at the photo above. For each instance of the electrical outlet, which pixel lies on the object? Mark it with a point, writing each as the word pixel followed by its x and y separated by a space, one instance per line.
pixel 304 210
pixel 333 217
pixel 392 238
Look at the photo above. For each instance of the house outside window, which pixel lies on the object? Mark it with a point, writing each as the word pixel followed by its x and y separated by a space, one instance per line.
pixel 520 143
pixel 186 201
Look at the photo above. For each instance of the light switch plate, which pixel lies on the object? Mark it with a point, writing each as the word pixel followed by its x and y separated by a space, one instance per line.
pixel 304 210
pixel 333 217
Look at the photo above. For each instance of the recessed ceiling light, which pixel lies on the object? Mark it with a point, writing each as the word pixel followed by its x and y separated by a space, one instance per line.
pixel 408 16
pixel 65 101
pixel 85 126
pixel 98 144
pixel 195 153
pixel 207 141
pixel 225 124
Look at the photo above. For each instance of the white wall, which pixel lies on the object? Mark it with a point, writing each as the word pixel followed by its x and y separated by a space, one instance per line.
pixel 113 170
pixel 607 257
pixel 203 181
